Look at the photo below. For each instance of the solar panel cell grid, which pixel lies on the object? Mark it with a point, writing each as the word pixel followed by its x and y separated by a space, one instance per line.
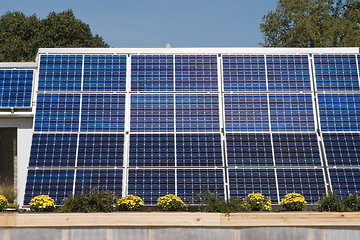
pixel 100 150
pixel 345 180
pixel 197 113
pixel 16 88
pixel 336 72
pixel 288 72
pixel 53 150
pixel 249 149
pixel 198 150
pixel 103 113
pixel 244 73
pixel 60 72
pixel 291 112
pixel 104 73
pixel 246 112
pixel 196 73
pixel 152 150
pixel 152 73
pixel 296 149
pixel 57 112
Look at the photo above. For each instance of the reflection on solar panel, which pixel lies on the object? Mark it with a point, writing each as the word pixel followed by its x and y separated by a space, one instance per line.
pixel 16 88
pixel 53 182
pixel 103 113
pixel 339 112
pixel 246 112
pixel 342 149
pixel 150 184
pixel 152 73
pixel 152 113
pixel 244 73
pixel 288 72
pixel 193 181
pixel 57 112
pixel 345 180
pixel 60 72
pixel 102 179
pixel 249 149
pixel 198 150
pixel 152 150
pixel 197 113
pixel 53 150
pixel 336 72
pixel 104 73
pixel 245 181
pixel 196 73
pixel 308 182
pixel 296 149
pixel 291 112
pixel 100 150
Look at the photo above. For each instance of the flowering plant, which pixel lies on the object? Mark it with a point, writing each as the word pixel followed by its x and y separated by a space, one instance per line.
pixel 3 203
pixel 130 203
pixel 42 203
pixel 170 202
pixel 259 202
pixel 293 202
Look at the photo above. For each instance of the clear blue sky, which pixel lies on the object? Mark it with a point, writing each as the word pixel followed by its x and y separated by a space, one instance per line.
pixel 153 23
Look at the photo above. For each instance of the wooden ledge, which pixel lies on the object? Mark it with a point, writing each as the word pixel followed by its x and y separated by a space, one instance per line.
pixel 182 219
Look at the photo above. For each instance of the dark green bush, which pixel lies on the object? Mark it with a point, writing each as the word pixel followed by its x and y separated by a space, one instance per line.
pixel 95 201
pixel 332 203
pixel 352 202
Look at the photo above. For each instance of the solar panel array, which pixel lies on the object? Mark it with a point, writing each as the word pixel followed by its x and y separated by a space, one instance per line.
pixel 150 125
pixel 16 88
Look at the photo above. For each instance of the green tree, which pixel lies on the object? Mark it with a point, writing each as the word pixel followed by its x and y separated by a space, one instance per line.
pixel 312 23
pixel 21 36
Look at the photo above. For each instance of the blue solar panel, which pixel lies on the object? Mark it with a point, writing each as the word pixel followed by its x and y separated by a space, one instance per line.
pixel 53 150
pixel 104 73
pixel 57 183
pixel 342 149
pixel 198 150
pixel 336 72
pixel 60 72
pixel 150 184
pixel 197 113
pixel 100 150
pixel 246 112
pixel 152 73
pixel 152 150
pixel 152 113
pixel 244 73
pixel 291 112
pixel 339 112
pixel 296 149
pixel 102 179
pixel 103 113
pixel 288 72
pixel 57 112
pixel 249 149
pixel 345 180
pixel 194 181
pixel 16 88
pixel 245 181
pixel 308 182
pixel 196 73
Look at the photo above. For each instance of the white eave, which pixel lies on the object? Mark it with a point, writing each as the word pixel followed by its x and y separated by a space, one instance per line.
pixel 18 65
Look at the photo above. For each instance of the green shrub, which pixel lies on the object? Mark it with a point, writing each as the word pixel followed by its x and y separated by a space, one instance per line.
pixel 3 203
pixel 95 201
pixel 7 189
pixel 258 202
pixel 293 202
pixel 352 202
pixel 42 203
pixel 170 202
pixel 130 203
pixel 332 203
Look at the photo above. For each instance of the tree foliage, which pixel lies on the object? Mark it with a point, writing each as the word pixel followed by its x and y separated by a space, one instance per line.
pixel 21 36
pixel 312 23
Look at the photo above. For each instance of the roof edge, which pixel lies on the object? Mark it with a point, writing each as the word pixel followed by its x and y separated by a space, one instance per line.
pixel 18 65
